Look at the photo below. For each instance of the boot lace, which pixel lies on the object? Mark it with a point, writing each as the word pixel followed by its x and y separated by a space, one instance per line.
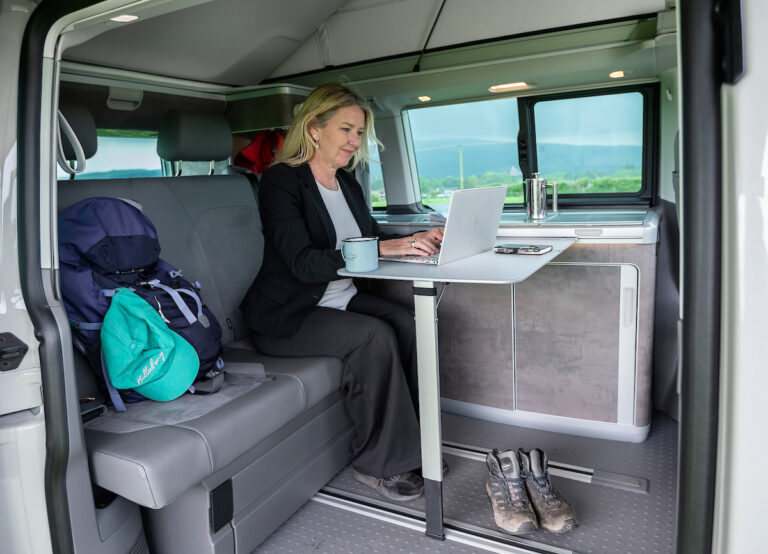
pixel 514 490
pixel 544 488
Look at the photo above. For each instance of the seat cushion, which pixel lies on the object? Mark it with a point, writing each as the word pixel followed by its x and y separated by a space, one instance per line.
pixel 150 454
pixel 318 376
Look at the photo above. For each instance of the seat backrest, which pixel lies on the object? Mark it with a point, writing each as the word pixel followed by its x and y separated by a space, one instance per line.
pixel 207 225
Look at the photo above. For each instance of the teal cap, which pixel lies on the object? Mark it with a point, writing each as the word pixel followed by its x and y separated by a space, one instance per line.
pixel 142 353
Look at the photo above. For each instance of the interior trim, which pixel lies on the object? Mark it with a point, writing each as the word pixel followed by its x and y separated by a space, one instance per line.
pixel 701 48
pixel 30 264
pixel 547 422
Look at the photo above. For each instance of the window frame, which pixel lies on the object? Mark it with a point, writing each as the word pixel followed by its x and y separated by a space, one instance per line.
pixel 526 144
pixel 647 193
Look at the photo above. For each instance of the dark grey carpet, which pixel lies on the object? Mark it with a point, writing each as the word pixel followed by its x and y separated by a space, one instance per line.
pixel 318 528
pixel 611 521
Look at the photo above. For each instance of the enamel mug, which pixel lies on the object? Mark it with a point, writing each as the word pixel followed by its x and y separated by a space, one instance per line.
pixel 361 253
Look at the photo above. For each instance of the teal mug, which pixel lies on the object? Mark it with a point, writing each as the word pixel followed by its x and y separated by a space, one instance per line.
pixel 361 253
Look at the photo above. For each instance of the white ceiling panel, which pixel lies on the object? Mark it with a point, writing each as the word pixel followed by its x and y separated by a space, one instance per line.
pixel 242 42
pixel 463 21
pixel 369 29
pixel 380 30
pixel 235 42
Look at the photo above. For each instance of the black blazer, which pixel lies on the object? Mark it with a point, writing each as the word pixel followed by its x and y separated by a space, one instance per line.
pixel 300 255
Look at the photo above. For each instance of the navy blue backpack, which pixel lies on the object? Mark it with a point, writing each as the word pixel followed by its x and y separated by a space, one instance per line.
pixel 106 243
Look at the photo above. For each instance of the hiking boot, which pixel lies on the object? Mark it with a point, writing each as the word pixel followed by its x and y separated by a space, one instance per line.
pixel 555 514
pixel 505 486
pixel 401 487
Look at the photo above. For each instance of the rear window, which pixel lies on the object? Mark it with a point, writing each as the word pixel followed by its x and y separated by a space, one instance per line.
pixel 121 154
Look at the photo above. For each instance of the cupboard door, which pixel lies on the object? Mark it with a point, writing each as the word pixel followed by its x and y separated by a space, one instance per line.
pixel 575 334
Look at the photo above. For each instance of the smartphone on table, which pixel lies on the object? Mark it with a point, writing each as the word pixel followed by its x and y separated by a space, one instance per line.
pixel 522 248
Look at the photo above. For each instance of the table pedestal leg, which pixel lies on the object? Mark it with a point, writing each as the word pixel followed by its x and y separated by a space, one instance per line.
pixel 425 306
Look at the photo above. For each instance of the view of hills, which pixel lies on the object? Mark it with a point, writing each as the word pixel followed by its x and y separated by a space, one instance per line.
pixel 437 159
pixel 577 168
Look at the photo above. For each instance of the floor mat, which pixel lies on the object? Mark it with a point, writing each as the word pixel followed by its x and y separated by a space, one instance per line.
pixel 322 529
pixel 611 520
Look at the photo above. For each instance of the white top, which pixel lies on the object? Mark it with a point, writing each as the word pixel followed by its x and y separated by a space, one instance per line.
pixel 339 292
pixel 487 267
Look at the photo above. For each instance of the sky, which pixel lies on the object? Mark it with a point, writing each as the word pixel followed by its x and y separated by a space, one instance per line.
pixel 606 120
pixel 125 153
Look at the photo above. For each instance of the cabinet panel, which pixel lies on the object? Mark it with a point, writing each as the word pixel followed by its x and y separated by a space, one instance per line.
pixel 569 349
pixel 575 342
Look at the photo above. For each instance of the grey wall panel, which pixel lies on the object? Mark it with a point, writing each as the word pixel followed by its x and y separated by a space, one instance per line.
pixel 665 353
pixel 567 340
pixel 476 345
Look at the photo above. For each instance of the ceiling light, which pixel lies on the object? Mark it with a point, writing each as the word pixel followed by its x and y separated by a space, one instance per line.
pixel 508 86
pixel 124 18
pixel 425 98
pixel 616 74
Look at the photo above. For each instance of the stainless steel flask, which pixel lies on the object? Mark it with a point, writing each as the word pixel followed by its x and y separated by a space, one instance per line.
pixel 536 193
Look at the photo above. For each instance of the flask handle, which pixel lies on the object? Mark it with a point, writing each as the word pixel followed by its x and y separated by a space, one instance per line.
pixel 553 186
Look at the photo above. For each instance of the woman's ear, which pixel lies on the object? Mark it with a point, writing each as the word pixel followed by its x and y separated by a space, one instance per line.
pixel 313 129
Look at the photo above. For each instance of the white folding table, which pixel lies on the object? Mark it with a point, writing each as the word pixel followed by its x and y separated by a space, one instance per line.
pixel 484 268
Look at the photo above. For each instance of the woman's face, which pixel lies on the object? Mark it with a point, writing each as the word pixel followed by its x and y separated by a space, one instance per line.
pixel 338 141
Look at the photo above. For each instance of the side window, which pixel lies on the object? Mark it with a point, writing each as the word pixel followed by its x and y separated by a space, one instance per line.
pixel 466 145
pixel 121 154
pixel 376 178
pixel 598 146
pixel 591 144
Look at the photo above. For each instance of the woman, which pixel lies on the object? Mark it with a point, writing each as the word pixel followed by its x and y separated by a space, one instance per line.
pixel 298 305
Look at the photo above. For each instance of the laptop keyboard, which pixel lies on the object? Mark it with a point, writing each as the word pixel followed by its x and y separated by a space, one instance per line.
pixel 431 259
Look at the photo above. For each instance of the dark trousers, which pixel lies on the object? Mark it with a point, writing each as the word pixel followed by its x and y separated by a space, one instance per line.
pixel 375 339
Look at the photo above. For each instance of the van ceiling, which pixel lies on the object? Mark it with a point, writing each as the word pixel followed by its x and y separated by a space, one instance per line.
pixel 243 42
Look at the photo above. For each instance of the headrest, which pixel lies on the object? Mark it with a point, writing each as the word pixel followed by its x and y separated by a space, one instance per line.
pixel 81 121
pixel 193 137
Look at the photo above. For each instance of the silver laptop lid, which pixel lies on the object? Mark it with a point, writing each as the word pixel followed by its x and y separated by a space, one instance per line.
pixel 473 220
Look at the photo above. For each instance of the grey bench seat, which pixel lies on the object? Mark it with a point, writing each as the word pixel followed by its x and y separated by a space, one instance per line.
pixel 154 451
pixel 170 456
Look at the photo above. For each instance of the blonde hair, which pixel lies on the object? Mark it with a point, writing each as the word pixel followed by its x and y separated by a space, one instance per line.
pixel 320 106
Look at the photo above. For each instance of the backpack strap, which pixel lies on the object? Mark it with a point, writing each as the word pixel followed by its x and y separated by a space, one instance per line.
pixel 175 294
pixel 117 400
pixel 85 326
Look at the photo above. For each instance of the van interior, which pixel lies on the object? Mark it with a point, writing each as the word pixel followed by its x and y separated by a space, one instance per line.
pixel 579 360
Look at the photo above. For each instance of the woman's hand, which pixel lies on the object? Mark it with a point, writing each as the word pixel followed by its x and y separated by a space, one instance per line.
pixel 435 236
pixel 418 244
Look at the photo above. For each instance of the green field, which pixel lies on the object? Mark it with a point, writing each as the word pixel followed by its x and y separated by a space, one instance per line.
pixel 438 191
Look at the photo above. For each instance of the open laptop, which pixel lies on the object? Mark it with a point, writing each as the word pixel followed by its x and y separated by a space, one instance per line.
pixel 471 226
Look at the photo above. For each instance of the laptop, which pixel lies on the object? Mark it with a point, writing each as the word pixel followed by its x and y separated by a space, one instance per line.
pixel 471 226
